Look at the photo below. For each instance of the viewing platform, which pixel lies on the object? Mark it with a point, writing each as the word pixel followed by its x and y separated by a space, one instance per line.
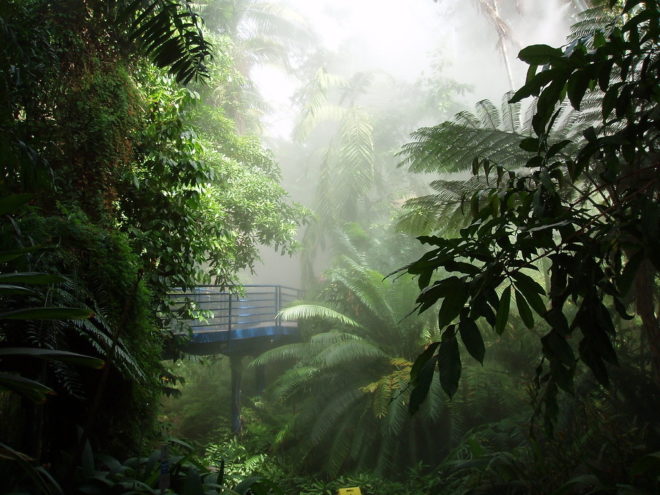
pixel 238 322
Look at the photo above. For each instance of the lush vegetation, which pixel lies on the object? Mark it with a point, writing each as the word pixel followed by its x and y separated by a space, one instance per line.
pixel 519 353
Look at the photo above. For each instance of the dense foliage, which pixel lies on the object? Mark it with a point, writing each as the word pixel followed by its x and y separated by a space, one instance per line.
pixel 127 198
pixel 592 213
pixel 131 165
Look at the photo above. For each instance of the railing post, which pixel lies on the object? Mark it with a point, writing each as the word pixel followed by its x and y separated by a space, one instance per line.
pixel 229 313
pixel 278 304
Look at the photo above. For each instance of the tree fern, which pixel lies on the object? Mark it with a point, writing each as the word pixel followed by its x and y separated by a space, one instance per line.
pixel 590 20
pixel 307 311
pixel 486 134
pixel 350 352
pixel 355 374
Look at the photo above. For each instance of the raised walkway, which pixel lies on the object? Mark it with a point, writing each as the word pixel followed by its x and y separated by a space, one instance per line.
pixel 238 322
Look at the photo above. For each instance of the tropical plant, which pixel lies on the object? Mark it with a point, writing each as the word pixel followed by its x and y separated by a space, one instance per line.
pixel 600 243
pixel 348 378
pixel 451 148
pixel 348 141
pixel 169 32
pixel 253 33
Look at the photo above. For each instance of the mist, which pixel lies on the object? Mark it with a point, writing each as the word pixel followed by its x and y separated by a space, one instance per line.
pixel 329 247
pixel 451 46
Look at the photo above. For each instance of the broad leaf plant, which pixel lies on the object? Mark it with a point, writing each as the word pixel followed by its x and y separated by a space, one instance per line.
pixel 592 216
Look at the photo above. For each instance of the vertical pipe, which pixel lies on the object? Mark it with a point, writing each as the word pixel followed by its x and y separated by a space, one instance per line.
pixel 236 375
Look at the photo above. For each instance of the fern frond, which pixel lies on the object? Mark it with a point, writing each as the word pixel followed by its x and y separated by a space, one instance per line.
pixel 590 21
pixel 287 352
pixel 311 311
pixel 355 351
pixel 327 420
pixel 292 380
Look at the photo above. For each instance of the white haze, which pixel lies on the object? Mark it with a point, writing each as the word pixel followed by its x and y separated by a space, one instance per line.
pixel 405 39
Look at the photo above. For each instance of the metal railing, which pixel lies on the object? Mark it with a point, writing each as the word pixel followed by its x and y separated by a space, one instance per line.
pixel 254 306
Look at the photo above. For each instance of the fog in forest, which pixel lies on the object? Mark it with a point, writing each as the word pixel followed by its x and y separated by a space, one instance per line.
pixel 329 247
pixel 455 46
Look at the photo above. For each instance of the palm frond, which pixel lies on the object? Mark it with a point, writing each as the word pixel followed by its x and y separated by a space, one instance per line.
pixel 287 352
pixel 327 420
pixel 310 311
pixel 592 20
pixel 330 338
pixel 293 379
pixel 424 214
pixel 344 353
pixel 450 148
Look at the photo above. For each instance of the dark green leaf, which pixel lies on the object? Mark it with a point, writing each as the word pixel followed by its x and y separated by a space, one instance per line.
pixel 556 347
pixel 47 314
pixel 576 87
pixel 531 290
pixel 609 101
pixel 31 389
pixel 30 278
pixel 13 202
pixel 7 290
pixel 449 362
pixel 557 321
pixel 53 355
pixel 556 148
pixel 625 280
pixel 530 144
pixel 421 375
pixel 524 311
pixel 540 54
pixel 421 360
pixel 453 303
pixel 503 311
pixel 472 339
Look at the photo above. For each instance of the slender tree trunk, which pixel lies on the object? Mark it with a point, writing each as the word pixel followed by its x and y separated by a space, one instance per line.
pixel 645 296
pixel 503 33
pixel 503 48
pixel 236 376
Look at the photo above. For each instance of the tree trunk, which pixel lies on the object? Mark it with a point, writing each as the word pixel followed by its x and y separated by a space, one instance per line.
pixel 645 292
pixel 236 375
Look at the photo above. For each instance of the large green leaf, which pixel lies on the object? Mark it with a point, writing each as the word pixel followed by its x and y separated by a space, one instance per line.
pixel 503 311
pixel 31 389
pixel 421 375
pixel 472 339
pixel 532 291
pixel 56 313
pixel 453 302
pixel 13 202
pixel 310 311
pixel 540 54
pixel 30 278
pixel 52 355
pixel 11 290
pixel 524 311
pixel 449 362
